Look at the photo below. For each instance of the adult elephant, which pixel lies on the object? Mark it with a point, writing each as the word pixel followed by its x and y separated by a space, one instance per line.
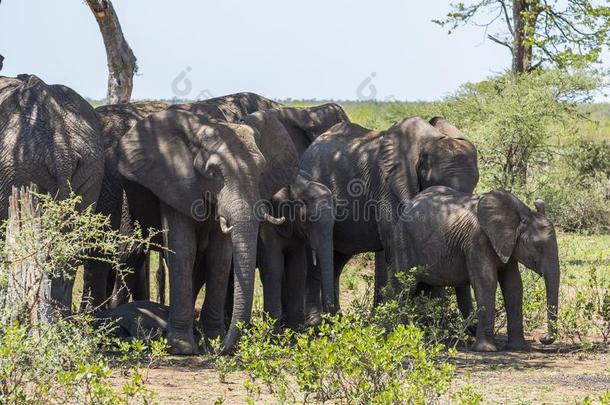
pixel 459 239
pixel 374 174
pixel 102 287
pixel 207 179
pixel 49 136
pixel 283 260
pixel 99 276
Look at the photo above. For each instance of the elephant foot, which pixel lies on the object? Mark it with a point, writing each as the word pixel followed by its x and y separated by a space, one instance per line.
pixel 484 345
pixel 517 345
pixel 181 345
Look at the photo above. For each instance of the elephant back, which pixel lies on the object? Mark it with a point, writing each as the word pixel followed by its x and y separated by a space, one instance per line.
pixel 51 137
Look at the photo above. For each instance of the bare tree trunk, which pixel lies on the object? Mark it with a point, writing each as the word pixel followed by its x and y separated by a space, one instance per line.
pixel 518 41
pixel 121 60
pixel 525 16
pixel 28 294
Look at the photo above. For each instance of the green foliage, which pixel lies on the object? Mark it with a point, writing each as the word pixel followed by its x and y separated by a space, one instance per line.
pixel 65 362
pixel 520 127
pixel 437 317
pixel 585 309
pixel 564 34
pixel 590 159
pixel 575 203
pixel 61 363
pixel 349 360
pixel 514 122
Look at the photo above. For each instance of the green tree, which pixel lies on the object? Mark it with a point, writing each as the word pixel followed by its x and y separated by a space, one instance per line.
pixel 559 33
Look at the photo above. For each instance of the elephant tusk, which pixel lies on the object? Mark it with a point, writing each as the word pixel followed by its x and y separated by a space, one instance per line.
pixel 274 220
pixel 314 259
pixel 223 226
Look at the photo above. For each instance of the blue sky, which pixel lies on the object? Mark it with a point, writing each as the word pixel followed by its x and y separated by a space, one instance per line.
pixel 324 49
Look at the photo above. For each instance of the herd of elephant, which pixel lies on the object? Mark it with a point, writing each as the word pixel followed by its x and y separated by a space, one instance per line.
pixel 242 182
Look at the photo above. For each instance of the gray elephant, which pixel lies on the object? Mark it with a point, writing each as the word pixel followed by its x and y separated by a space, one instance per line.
pixel 208 179
pixel 461 239
pixel 49 136
pixel 143 320
pixel 283 249
pixel 99 277
pixel 373 174
pixel 101 284
pixel 305 197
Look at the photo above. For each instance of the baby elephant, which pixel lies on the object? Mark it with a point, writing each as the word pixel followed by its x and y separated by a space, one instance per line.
pixel 458 239
pixel 283 250
pixel 143 320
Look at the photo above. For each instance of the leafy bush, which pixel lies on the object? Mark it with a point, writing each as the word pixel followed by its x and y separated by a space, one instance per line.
pixel 63 362
pixel 367 355
pixel 590 158
pixel 514 121
pixel 348 360
pixel 437 317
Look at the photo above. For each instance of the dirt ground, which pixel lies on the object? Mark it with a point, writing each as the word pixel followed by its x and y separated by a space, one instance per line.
pixel 542 375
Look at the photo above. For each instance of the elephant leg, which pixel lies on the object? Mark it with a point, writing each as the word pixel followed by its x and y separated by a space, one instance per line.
pixel 229 297
pixel 271 266
pixel 217 270
pixel 97 285
pixel 127 282
pixel 295 277
pixel 313 294
pixel 340 260
pixel 484 279
pixel 141 288
pixel 313 306
pixel 160 277
pixel 512 291
pixel 464 301
pixel 199 275
pixel 180 238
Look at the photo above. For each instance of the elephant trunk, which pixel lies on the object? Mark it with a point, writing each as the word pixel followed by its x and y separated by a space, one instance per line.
pixel 551 281
pixel 322 246
pixel 244 238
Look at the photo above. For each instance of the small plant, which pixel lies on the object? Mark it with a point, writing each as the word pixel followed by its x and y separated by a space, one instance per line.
pixel 222 364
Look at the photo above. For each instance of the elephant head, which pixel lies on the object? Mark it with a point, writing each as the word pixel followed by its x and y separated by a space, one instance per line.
pixel 516 231
pixel 416 155
pixel 201 169
pixel 302 125
pixel 309 204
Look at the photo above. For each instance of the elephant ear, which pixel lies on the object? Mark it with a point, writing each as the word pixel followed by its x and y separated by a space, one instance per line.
pixel 499 220
pixel 276 145
pixel 399 156
pixel 159 153
pixel 446 128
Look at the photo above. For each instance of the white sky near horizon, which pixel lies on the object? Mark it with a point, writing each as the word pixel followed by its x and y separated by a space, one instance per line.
pixel 317 49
